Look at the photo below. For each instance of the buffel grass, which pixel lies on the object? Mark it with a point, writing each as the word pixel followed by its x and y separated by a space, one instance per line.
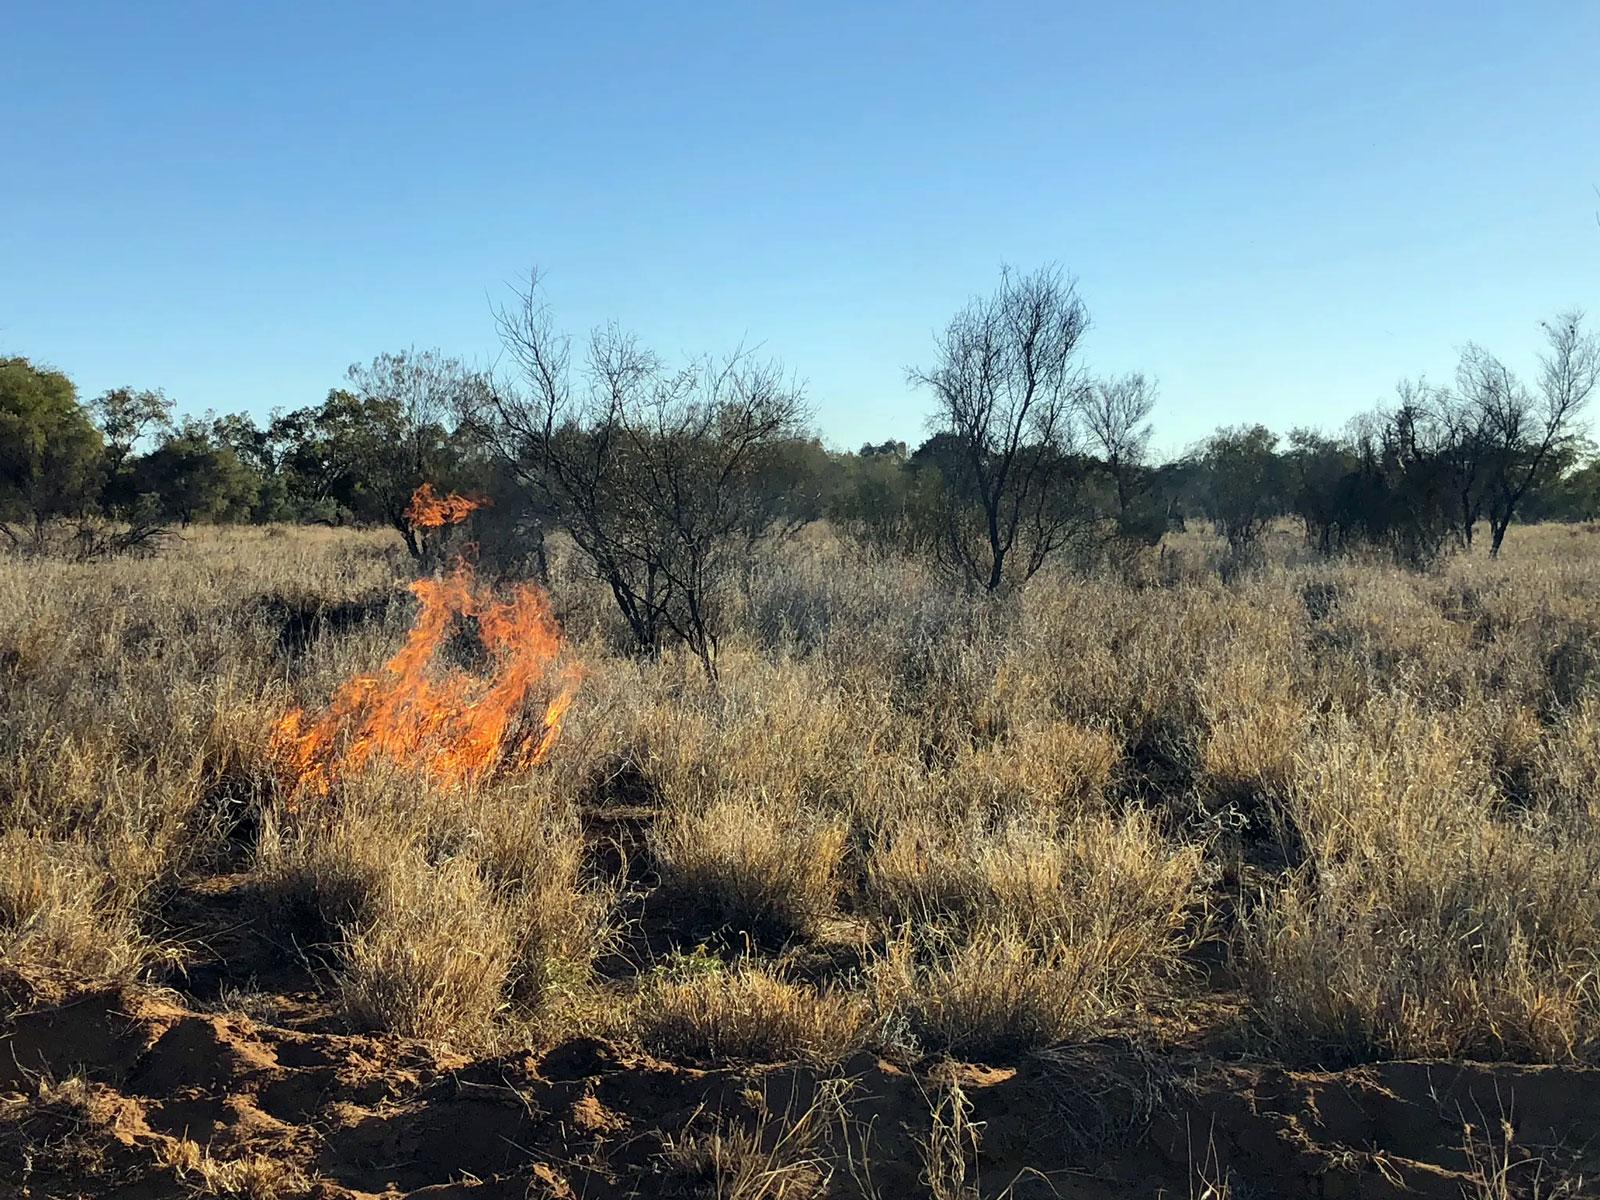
pixel 906 819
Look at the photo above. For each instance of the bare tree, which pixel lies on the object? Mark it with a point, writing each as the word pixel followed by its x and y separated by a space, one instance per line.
pixel 653 471
pixel 1008 383
pixel 1116 414
pixel 1523 434
pixel 1458 435
pixel 1417 464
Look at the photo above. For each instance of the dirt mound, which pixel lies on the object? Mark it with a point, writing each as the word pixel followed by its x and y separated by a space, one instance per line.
pixel 125 1093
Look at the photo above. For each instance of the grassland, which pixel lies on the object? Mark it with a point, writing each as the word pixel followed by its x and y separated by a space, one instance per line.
pixel 1132 884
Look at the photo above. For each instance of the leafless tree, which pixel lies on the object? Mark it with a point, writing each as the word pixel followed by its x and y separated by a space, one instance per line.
pixel 1523 434
pixel 1457 434
pixel 1116 414
pixel 1008 383
pixel 652 470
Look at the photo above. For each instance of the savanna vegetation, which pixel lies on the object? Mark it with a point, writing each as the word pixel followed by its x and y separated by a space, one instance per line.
pixel 1019 765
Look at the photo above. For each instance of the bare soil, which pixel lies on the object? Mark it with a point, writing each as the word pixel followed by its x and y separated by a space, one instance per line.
pixel 361 1116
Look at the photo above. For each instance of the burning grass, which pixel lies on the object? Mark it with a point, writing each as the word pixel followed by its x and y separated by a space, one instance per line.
pixel 456 725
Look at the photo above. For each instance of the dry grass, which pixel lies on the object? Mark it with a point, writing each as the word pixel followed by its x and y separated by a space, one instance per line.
pixel 431 955
pixel 989 995
pixel 1434 916
pixel 60 911
pixel 749 866
pixel 950 1149
pixel 747 1012
pixel 447 916
pixel 1114 884
pixel 1377 787
pixel 252 1177
pixel 777 1156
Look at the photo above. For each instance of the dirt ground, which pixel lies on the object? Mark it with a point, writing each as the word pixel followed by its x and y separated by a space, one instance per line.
pixel 138 1094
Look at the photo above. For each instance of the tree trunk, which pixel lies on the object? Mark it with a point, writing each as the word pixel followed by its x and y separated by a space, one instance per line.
pixel 997 569
pixel 997 552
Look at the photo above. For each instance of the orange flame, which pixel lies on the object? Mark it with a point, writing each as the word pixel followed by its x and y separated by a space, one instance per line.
pixel 430 511
pixel 457 727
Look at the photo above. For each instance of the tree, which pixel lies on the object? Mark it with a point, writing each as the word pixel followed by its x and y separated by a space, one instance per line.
pixel 1462 441
pixel 260 453
pixel 1404 495
pixel 364 450
pixel 126 416
pixel 1116 414
pixel 194 478
pixel 653 471
pixel 1318 469
pixel 316 464
pixel 1573 496
pixel 886 500
pixel 1007 383
pixel 1242 486
pixel 1523 433
pixel 393 432
pixel 50 451
pixel 885 449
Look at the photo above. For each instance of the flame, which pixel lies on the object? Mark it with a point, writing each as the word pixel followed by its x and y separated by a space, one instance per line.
pixel 455 726
pixel 430 511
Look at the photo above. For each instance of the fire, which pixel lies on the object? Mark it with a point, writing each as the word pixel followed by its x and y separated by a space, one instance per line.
pixel 456 726
pixel 430 511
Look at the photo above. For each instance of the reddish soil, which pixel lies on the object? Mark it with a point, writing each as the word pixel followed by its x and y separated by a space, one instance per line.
pixel 372 1116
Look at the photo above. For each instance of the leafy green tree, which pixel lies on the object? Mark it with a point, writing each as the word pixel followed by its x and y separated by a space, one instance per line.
pixel 125 417
pixel 1574 496
pixel 261 451
pixel 886 500
pixel 1317 467
pixel 194 478
pixel 50 451
pixel 1242 483
pixel 366 449
pixel 400 433
pixel 890 449
pixel 310 468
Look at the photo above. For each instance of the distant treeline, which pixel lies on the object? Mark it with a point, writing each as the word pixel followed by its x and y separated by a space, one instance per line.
pixel 656 468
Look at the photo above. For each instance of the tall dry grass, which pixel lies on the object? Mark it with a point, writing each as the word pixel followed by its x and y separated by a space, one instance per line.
pixel 971 825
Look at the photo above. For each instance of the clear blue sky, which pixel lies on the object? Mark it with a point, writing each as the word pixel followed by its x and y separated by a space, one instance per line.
pixel 1277 209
